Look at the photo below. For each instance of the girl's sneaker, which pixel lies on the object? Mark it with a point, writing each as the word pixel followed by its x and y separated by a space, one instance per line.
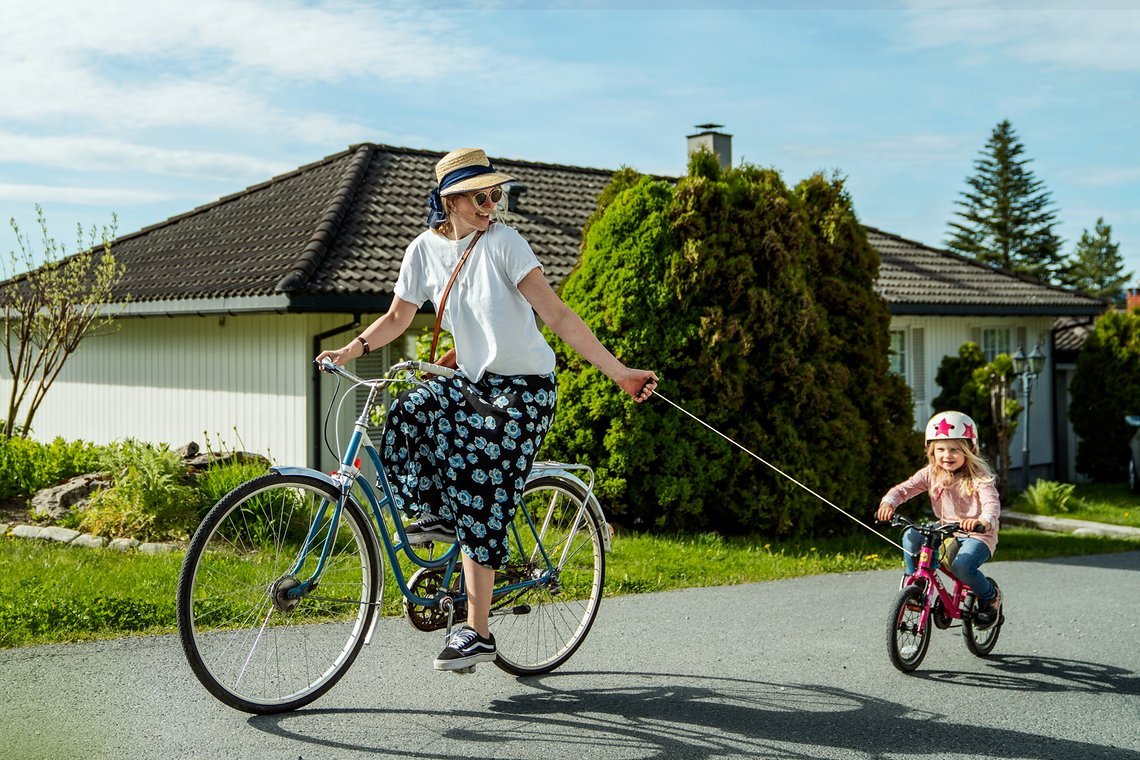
pixel 465 649
pixel 990 610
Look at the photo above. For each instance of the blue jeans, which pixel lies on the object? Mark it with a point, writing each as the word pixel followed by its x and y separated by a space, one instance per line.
pixel 971 554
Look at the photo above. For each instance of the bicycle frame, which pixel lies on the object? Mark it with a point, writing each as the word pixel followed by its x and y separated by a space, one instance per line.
pixel 348 475
pixel 927 570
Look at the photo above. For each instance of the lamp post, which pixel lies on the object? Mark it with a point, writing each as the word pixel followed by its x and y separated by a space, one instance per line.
pixel 1027 368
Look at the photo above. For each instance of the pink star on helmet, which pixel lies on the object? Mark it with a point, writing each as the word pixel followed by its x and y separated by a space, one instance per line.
pixel 969 432
pixel 943 427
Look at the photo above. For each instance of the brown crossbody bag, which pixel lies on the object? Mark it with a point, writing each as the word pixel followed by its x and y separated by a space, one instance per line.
pixel 448 360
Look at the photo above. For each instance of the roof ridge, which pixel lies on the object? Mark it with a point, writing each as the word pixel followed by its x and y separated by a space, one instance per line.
pixel 328 226
pixel 1031 280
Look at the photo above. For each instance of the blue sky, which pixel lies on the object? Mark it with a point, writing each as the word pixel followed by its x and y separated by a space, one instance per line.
pixel 148 109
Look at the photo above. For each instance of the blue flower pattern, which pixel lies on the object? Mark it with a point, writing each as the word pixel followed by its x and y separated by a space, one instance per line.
pixel 480 439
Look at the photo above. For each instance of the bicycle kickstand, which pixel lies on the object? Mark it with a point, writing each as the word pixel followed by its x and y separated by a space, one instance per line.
pixel 449 605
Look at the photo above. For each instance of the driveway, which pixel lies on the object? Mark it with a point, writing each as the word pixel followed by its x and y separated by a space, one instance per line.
pixel 789 669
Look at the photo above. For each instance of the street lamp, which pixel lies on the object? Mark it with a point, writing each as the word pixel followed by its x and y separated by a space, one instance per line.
pixel 1027 368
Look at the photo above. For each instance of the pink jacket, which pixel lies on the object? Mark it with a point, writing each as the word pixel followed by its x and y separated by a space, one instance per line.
pixel 949 505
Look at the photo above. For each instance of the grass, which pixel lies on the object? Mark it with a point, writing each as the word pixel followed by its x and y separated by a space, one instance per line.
pixel 1109 503
pixel 56 593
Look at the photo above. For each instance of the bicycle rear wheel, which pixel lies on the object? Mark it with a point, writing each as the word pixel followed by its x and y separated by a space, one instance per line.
pixel 906 643
pixel 539 627
pixel 250 644
pixel 981 641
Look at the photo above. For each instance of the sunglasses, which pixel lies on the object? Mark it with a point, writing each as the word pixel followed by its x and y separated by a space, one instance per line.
pixel 480 198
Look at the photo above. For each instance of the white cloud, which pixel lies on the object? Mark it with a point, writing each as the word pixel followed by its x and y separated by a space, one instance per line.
pixel 1065 34
pixel 909 149
pixel 96 154
pixel 93 196
pixel 1105 176
pixel 158 63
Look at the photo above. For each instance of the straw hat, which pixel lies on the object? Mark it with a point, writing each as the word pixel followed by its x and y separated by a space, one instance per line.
pixel 468 160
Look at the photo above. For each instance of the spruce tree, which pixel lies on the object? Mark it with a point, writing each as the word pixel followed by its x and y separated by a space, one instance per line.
pixel 1006 218
pixel 1096 266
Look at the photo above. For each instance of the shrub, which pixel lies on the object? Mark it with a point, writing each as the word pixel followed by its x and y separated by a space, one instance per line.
pixel 149 500
pixel 26 465
pixel 217 481
pixel 1046 497
pixel 718 283
pixel 1106 387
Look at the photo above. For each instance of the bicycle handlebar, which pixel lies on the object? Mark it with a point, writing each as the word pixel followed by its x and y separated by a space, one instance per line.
pixel 327 365
pixel 906 522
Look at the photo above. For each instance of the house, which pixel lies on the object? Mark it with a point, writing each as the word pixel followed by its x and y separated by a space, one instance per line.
pixel 230 302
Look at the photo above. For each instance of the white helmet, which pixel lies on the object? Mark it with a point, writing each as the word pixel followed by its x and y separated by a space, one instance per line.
pixel 948 426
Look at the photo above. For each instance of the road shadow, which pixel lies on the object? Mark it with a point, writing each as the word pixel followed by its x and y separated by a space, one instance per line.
pixel 1118 561
pixel 661 715
pixel 1011 672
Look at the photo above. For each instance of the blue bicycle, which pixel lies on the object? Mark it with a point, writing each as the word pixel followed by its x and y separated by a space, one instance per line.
pixel 281 582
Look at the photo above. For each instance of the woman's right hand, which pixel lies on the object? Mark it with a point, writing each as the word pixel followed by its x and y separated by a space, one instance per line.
pixel 341 356
pixel 885 513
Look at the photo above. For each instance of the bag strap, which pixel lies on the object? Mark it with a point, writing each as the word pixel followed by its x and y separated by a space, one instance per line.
pixel 446 290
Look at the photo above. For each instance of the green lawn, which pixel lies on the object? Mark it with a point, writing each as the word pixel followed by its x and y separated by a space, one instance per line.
pixel 55 593
pixel 1109 503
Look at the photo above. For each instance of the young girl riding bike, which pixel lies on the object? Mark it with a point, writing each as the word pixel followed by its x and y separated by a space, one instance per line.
pixel 962 490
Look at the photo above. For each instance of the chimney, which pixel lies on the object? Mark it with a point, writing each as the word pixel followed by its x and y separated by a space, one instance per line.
pixel 719 143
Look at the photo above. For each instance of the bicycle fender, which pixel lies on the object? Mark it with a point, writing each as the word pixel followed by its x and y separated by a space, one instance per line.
pixel 555 469
pixel 307 472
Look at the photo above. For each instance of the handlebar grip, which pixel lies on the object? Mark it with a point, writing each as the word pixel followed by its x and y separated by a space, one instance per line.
pixel 435 369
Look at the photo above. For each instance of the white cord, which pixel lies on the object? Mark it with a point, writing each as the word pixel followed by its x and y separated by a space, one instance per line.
pixel 778 470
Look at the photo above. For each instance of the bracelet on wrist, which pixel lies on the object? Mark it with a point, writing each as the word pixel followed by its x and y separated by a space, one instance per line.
pixel 364 343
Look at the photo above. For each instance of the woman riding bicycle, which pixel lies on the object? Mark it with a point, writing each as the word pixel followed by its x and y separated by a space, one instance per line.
pixel 459 455
pixel 962 490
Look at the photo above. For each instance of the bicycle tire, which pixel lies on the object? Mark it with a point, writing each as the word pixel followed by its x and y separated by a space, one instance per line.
pixel 245 644
pixel 539 628
pixel 906 644
pixel 981 641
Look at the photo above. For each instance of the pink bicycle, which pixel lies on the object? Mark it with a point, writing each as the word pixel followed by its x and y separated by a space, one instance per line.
pixel 923 601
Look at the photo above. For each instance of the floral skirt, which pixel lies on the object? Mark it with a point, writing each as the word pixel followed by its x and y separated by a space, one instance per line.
pixel 462 451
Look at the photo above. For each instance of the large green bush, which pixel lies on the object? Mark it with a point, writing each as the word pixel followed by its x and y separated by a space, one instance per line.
pixel 717 283
pixel 1106 387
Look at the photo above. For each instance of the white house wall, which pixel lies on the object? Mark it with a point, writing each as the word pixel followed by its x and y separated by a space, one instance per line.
pixel 234 382
pixel 942 336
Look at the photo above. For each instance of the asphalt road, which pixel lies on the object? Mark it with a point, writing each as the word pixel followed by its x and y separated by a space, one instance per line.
pixel 790 669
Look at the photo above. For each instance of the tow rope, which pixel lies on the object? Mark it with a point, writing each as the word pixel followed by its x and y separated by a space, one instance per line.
pixel 776 469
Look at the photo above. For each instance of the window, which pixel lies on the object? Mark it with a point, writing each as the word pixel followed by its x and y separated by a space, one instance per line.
pixel 898 353
pixel 995 340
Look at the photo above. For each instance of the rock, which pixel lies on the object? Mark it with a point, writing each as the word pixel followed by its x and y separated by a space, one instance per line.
pixel 213 459
pixel 188 451
pixel 123 544
pixel 61 534
pixel 90 541
pixel 155 548
pixel 29 531
pixel 55 502
pixel 4 528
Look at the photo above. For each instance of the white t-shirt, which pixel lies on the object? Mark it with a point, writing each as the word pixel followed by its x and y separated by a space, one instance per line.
pixel 493 324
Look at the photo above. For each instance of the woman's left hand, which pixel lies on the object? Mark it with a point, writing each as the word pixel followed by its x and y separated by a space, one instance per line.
pixel 638 383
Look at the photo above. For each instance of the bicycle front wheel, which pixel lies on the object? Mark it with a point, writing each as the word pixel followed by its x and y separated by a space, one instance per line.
pixel 907 641
pixel 555 541
pixel 252 640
